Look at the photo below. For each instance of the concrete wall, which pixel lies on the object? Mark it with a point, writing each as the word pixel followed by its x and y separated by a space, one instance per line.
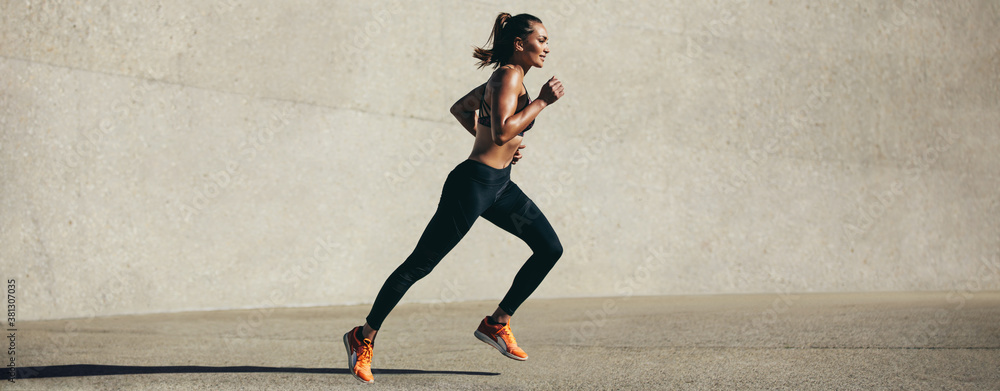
pixel 189 156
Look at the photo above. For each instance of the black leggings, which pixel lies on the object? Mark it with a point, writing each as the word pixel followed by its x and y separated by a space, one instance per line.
pixel 475 189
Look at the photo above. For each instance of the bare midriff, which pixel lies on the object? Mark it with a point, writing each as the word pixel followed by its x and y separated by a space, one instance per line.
pixel 487 152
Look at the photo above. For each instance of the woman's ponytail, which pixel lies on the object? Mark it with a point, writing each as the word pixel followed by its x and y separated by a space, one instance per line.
pixel 485 55
pixel 501 41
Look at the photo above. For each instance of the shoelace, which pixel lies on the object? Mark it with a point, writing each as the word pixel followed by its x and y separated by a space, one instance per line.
pixel 365 353
pixel 505 330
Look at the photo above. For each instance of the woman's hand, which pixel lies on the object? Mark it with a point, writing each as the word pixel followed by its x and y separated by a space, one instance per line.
pixel 517 154
pixel 551 91
pixel 464 109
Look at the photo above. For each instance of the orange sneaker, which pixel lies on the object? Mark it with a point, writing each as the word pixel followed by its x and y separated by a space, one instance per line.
pixel 500 337
pixel 359 355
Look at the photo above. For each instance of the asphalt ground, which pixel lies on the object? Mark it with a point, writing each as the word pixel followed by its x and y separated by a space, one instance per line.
pixel 907 341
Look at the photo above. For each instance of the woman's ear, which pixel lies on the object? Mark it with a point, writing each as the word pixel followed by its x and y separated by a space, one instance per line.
pixel 518 44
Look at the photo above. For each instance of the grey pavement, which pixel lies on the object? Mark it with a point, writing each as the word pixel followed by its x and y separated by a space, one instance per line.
pixel 925 340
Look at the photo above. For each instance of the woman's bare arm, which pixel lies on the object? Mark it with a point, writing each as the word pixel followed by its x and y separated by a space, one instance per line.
pixel 465 108
pixel 506 124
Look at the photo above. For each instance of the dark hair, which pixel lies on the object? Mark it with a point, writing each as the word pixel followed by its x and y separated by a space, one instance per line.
pixel 505 30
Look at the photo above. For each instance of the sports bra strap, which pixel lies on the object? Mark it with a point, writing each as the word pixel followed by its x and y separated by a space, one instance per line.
pixel 484 110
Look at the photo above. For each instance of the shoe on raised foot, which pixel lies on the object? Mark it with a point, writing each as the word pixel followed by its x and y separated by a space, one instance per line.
pixel 499 336
pixel 359 355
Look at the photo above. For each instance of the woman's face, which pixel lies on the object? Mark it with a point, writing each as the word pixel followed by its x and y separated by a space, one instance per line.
pixel 536 46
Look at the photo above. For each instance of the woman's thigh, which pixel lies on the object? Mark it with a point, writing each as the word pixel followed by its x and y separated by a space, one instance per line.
pixel 462 201
pixel 516 213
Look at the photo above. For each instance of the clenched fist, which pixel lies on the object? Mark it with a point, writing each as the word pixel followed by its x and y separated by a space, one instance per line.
pixel 551 91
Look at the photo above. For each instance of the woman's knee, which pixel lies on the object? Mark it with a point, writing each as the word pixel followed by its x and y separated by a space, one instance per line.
pixel 417 266
pixel 551 249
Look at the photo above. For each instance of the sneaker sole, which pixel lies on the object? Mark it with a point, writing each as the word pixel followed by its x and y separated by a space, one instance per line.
pixel 491 342
pixel 350 365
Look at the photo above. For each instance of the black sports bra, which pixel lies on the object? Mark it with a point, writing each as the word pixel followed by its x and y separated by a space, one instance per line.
pixel 484 111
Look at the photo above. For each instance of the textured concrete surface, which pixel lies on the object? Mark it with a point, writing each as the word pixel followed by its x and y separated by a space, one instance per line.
pixel 910 341
pixel 190 155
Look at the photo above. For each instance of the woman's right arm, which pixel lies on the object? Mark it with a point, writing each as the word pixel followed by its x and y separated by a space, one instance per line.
pixel 506 123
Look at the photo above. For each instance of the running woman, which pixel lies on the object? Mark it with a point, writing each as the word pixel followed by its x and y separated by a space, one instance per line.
pixel 481 186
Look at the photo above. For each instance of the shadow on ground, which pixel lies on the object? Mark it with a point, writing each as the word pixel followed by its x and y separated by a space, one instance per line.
pixel 79 370
pixel 879 340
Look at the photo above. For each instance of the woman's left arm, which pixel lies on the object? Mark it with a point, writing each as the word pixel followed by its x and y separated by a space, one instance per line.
pixel 465 108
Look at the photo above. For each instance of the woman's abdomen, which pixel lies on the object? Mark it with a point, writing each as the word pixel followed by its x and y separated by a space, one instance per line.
pixel 487 152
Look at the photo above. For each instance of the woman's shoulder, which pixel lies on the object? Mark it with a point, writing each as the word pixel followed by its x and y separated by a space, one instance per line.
pixel 506 75
pixel 507 71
